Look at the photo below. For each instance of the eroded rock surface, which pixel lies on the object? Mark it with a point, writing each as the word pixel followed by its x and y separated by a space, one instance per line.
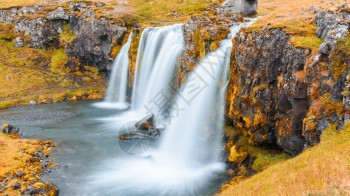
pixel 285 96
pixel 95 36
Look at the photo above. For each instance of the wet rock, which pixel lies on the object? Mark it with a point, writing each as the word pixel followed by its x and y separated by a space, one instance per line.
pixel 203 35
pixel 146 122
pixel 11 130
pixel 18 42
pixel 58 14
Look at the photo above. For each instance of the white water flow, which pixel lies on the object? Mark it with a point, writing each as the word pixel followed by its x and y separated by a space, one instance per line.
pixel 118 83
pixel 158 55
pixel 188 157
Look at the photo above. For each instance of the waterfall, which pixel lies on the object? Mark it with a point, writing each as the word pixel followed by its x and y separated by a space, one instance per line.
pixel 193 137
pixel 118 82
pixel 188 155
pixel 158 55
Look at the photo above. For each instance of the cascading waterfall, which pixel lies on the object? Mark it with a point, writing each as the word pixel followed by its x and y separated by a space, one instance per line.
pixel 187 158
pixel 158 54
pixel 118 83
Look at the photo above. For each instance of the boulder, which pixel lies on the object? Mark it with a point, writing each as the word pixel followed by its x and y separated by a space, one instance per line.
pixel 246 7
pixel 58 14
pixel 11 130
pixel 146 122
pixel 18 42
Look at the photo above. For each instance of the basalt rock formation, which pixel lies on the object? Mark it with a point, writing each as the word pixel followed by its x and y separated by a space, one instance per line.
pixel 286 96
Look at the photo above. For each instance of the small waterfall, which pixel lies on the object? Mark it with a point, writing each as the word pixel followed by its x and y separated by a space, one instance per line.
pixel 117 86
pixel 158 54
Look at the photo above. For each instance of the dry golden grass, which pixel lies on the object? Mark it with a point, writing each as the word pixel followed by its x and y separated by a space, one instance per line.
pixel 295 17
pixel 15 156
pixel 161 10
pixel 320 170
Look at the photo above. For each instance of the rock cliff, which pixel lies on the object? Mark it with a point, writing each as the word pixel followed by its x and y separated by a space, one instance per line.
pixel 285 95
pixel 91 42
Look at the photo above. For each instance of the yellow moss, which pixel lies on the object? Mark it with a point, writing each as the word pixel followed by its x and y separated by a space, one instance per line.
pixel 264 158
pixel 67 35
pixel 247 121
pixel 236 155
pixel 341 57
pixel 58 60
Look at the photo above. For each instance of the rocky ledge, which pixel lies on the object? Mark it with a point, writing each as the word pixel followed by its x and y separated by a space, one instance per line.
pixel 89 37
pixel 285 96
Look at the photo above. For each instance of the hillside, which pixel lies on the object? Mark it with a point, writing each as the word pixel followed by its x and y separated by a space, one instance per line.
pixel 320 170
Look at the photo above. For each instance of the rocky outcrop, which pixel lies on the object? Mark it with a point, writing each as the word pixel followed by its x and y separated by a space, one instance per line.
pixel 95 37
pixel 246 7
pixel 331 27
pixel 268 99
pixel 203 35
pixel 282 95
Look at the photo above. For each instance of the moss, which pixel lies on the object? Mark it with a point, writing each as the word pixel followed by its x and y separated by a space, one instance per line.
pixel 312 42
pixel 58 60
pixel 264 157
pixel 67 36
pixel 341 57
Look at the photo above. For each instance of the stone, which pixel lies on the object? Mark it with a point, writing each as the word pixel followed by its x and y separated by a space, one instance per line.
pixel 16 186
pixel 31 103
pixel 58 14
pixel 246 7
pixel 11 130
pixel 100 4
pixel 18 42
pixel 146 122
pixel 19 174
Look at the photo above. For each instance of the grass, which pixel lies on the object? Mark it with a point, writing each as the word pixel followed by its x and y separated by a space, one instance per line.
pixel 11 3
pixel 341 57
pixel 19 155
pixel 160 10
pixel 294 17
pixel 28 73
pixel 320 170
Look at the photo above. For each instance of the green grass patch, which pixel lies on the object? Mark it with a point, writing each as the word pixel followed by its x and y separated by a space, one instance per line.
pixel 312 41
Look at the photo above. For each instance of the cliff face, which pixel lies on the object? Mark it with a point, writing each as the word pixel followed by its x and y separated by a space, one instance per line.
pixel 203 35
pixel 283 95
pixel 89 38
